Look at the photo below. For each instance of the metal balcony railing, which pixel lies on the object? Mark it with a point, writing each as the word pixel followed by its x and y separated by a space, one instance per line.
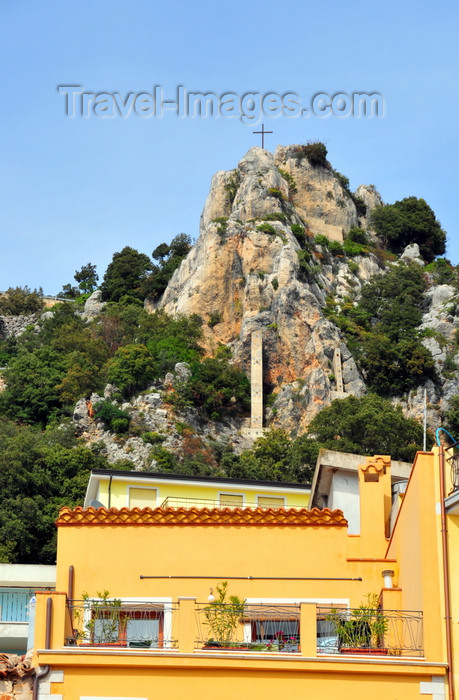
pixel 116 623
pixel 454 463
pixel 270 628
pixel 378 632
pixel 178 502
pixel 241 627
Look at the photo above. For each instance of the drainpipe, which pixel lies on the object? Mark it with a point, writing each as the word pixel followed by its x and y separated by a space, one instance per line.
pixel 38 676
pixel 70 594
pixel 110 491
pixel 49 613
pixel 446 578
pixel 45 669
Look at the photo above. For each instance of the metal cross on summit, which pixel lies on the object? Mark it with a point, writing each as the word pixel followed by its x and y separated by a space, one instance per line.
pixel 262 132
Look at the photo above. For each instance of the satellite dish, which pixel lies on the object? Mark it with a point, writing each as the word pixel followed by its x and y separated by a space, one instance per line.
pixel 96 504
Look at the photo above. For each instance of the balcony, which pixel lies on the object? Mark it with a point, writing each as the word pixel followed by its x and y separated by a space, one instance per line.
pixel 14 619
pixel 116 623
pixel 374 632
pixel 264 503
pixel 292 630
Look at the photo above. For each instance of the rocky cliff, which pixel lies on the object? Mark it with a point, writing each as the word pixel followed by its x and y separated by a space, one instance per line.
pixel 244 274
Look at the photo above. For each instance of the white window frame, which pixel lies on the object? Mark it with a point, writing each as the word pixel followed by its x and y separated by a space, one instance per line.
pixel 165 601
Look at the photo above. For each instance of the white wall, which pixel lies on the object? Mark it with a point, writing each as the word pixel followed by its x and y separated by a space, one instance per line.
pixel 344 494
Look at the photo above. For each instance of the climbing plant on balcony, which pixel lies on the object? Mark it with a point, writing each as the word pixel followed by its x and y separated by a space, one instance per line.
pixel 222 615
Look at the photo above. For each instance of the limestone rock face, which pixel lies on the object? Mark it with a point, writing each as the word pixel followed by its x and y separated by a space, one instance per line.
pixel 93 305
pixel 411 253
pixel 371 198
pixel 320 200
pixel 242 276
pixel 11 326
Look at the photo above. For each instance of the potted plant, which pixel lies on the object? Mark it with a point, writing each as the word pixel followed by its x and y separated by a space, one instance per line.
pixel 222 617
pixel 361 630
pixel 100 622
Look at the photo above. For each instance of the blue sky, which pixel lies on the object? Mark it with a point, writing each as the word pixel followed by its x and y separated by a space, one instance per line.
pixel 77 190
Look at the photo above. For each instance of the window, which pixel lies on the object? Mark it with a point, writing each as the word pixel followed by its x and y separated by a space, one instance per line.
pixel 142 497
pixel 270 502
pixel 129 623
pixel 275 622
pixel 276 626
pixel 231 500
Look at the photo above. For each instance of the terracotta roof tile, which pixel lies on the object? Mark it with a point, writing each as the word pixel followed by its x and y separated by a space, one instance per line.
pixel 201 516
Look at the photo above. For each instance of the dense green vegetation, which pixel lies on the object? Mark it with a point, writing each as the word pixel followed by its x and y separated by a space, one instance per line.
pixel 168 259
pixel 125 275
pixel 215 387
pixel 382 330
pixel 410 220
pixel 21 301
pixel 369 425
pixel 39 472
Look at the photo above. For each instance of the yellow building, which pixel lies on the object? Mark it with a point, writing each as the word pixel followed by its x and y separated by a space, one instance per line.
pixel 137 611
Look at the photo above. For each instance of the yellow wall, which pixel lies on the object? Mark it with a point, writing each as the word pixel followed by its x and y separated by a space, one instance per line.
pixel 226 683
pixel 114 557
pixel 453 532
pixel 416 544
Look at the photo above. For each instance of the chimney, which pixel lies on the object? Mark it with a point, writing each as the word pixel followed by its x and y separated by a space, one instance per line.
pixel 375 504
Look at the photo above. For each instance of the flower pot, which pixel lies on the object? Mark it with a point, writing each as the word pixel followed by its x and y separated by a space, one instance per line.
pixel 363 650
pixel 103 644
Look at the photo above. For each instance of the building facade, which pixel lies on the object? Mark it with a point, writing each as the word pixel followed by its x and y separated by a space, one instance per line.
pixel 221 600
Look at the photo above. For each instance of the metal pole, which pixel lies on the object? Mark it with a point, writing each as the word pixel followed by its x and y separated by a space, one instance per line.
pixel 425 420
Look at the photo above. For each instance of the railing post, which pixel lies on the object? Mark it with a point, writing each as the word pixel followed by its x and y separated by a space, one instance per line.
pixel 308 629
pixel 187 625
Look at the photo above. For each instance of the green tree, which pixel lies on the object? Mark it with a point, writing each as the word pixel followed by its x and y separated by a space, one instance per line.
pixel 169 258
pixel 68 291
pixel 410 220
pixel 170 340
pixel 125 274
pixel 215 387
pixel 39 473
pixel 31 393
pixel 87 278
pixel 395 300
pixel 113 417
pixel 382 331
pixel 274 457
pixel 393 368
pixel 19 301
pixel 131 369
pixel 368 425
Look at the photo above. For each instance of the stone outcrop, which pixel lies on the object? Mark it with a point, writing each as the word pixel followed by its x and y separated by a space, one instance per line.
pixel 150 414
pixel 11 326
pixel 93 305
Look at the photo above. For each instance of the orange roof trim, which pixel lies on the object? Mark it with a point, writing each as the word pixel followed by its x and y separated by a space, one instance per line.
pixel 201 516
